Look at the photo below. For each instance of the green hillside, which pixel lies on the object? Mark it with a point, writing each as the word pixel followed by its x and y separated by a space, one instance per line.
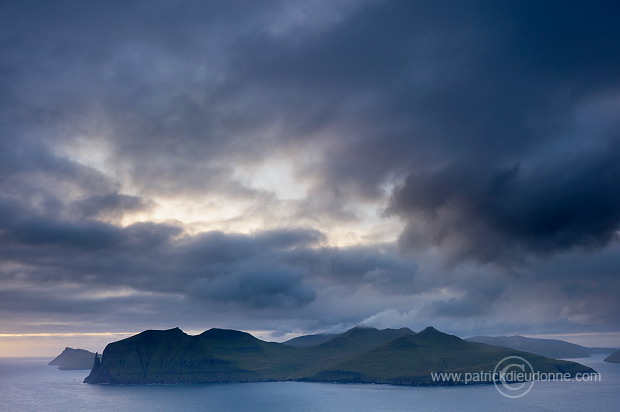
pixel 309 340
pixel 552 348
pixel 410 360
pixel 394 356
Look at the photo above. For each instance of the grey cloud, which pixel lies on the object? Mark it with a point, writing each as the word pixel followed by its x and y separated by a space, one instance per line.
pixel 110 205
pixel 290 238
pixel 458 308
pixel 30 172
pixel 480 297
pixel 502 214
pixel 266 288
pixel 489 128
pixel 228 274
pixel 32 229
pixel 238 278
pixel 386 87
pixel 380 268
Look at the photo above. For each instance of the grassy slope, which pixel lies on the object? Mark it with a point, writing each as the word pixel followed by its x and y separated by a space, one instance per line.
pixel 309 340
pixel 546 347
pixel 411 360
pixel 345 346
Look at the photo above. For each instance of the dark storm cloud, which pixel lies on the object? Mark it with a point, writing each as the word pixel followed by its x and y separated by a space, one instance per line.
pixel 377 266
pixel 21 228
pixel 496 214
pixel 489 128
pixel 493 92
pixel 270 287
pixel 284 279
pixel 388 87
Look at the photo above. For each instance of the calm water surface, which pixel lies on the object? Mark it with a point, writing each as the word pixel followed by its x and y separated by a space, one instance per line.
pixel 29 384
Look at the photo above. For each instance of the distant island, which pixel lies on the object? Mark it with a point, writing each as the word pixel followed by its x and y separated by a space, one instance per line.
pixel 360 355
pixel 74 359
pixel 614 357
pixel 551 348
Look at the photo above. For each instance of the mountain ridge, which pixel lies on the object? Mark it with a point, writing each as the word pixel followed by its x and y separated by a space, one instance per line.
pixel 362 355
pixel 552 348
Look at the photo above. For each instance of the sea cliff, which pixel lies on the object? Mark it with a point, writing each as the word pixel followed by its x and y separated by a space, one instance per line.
pixel 360 355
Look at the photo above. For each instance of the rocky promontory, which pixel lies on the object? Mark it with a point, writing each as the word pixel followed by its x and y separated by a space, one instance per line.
pixel 74 359
pixel 614 357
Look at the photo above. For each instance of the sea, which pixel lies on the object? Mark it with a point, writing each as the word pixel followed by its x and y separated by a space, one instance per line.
pixel 29 384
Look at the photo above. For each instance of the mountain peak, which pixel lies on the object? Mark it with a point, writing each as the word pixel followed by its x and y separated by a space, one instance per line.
pixel 433 336
pixel 429 330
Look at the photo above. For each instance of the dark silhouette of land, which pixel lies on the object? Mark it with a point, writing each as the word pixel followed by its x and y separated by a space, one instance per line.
pixel 552 348
pixel 614 357
pixel 360 355
pixel 73 359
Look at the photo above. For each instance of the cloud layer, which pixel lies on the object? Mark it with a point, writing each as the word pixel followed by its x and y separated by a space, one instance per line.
pixel 289 166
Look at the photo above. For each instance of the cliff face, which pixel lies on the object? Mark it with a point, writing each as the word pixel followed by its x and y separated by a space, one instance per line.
pixel 395 356
pixel 171 356
pixel 73 359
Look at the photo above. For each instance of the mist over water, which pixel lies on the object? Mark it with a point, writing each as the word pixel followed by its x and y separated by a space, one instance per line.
pixel 29 384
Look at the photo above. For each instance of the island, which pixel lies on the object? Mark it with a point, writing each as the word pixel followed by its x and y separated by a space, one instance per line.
pixel 360 355
pixel 74 359
pixel 614 357
pixel 552 348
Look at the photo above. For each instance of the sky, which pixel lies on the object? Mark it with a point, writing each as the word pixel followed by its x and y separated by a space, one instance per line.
pixel 292 167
